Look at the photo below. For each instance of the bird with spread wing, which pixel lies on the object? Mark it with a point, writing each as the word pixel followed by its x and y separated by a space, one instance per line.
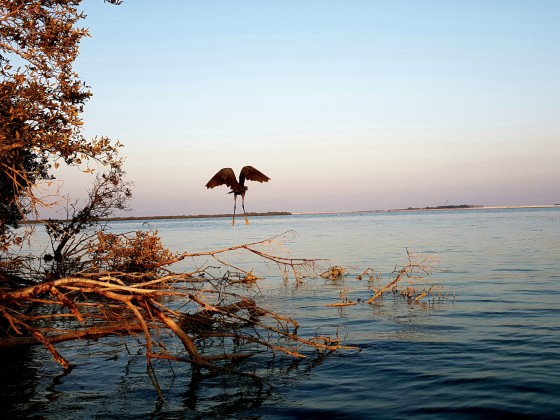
pixel 226 176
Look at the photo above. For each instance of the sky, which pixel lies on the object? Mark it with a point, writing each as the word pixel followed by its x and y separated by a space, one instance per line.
pixel 346 105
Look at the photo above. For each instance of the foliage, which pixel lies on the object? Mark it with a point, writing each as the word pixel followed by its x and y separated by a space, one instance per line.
pixel 41 98
pixel 141 252
pixel 71 238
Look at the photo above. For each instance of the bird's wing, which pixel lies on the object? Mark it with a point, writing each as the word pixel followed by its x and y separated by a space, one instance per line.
pixel 223 176
pixel 251 174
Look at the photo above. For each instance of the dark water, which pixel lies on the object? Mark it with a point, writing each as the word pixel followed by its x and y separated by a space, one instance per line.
pixel 492 351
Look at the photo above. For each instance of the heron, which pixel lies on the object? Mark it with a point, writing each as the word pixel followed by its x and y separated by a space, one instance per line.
pixel 226 176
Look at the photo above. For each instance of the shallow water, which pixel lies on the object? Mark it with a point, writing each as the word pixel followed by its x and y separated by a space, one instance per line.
pixel 491 351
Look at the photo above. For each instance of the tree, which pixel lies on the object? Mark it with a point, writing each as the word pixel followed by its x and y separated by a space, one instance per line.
pixel 41 99
pixel 71 238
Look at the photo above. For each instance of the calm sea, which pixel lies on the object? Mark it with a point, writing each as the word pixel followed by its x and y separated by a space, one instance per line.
pixel 490 349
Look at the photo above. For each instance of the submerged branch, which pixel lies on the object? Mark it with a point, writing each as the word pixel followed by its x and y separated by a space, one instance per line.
pixel 215 323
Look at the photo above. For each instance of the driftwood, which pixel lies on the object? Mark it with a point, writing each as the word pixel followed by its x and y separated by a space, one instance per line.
pixel 418 267
pixel 205 313
pixel 191 307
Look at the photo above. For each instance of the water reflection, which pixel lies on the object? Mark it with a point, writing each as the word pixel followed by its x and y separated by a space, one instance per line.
pixel 19 373
pixel 493 351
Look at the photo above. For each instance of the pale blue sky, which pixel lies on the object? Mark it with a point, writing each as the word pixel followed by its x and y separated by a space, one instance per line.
pixel 346 105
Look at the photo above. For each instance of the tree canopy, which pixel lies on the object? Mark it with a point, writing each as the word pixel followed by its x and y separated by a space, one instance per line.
pixel 41 99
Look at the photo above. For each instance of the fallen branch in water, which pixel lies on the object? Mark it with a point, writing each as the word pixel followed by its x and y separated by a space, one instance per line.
pixel 419 266
pixel 213 320
pixel 298 266
pixel 205 313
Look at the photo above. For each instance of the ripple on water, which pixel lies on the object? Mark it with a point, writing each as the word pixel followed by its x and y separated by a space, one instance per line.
pixel 493 352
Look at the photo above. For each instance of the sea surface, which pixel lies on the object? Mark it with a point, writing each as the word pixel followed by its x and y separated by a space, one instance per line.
pixel 487 347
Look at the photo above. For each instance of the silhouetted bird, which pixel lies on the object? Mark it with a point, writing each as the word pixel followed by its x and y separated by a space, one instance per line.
pixel 226 176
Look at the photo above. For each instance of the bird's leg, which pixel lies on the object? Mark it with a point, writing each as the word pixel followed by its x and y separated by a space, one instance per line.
pixel 243 205
pixel 234 206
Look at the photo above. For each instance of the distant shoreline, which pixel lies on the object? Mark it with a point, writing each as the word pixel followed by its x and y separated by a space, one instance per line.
pixel 196 216
pixel 286 213
pixel 441 208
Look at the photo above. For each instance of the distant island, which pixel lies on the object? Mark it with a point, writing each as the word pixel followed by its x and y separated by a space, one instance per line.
pixel 447 207
pixel 195 216
pixel 475 206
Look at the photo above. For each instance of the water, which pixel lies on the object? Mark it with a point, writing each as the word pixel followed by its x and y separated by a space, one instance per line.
pixel 493 351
